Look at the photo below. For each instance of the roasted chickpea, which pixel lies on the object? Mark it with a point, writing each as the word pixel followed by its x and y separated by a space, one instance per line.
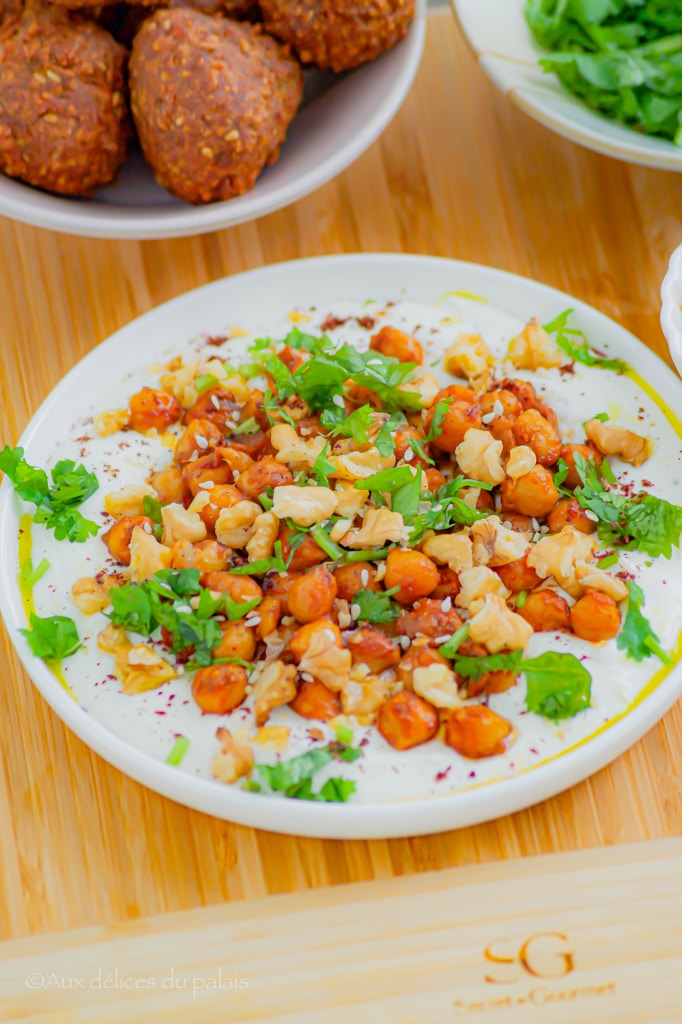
pixel 207 469
pixel 170 486
pixel 418 657
pixel 201 437
pixel 414 573
pixel 546 611
pixel 485 500
pixel 269 612
pixel 518 575
pixel 237 460
pixel 117 538
pixel 206 556
pixel 406 720
pixel 238 641
pixel 219 689
pixel 448 584
pixel 477 731
pixel 292 357
pixel 532 494
pixel 302 638
pixel 427 618
pixel 434 479
pixel 402 440
pixel 221 496
pixel 261 475
pixel 522 390
pixel 532 429
pixel 519 523
pixel 568 454
pixel 153 410
pixel 255 445
pixel 397 345
pixel 350 579
pixel 312 595
pixel 491 402
pixel 219 407
pixel 463 413
pixel 373 648
pixel 498 682
pixel 306 555
pixel 317 701
pixel 595 617
pixel 278 586
pixel 239 588
pixel 567 512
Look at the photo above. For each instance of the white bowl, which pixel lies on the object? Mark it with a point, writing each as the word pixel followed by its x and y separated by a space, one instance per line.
pixel 671 307
pixel 507 52
pixel 123 736
pixel 340 118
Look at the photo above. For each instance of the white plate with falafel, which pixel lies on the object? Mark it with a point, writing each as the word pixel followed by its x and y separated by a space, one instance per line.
pixel 128 121
pixel 377 556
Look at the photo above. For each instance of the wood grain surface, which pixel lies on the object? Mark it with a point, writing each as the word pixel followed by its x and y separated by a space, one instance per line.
pixel 593 935
pixel 459 173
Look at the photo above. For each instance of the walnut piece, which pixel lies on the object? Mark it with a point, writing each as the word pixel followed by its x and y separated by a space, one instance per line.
pixel 112 638
pixel 437 684
pixel 495 544
pixel 305 505
pixel 293 450
pixel 276 685
pixel 235 525
pixel 426 386
pixel 349 499
pixel 110 421
pixel 266 530
pixel 147 556
pixel 591 577
pixel 534 349
pixel 89 596
pixel 360 465
pixel 129 501
pixel 452 549
pixel 363 695
pixel 325 660
pixel 180 523
pixel 558 554
pixel 498 628
pixel 470 357
pixel 628 446
pixel 480 456
pixel 142 668
pixel 178 381
pixel 379 527
pixel 477 583
pixel 233 760
pixel 521 460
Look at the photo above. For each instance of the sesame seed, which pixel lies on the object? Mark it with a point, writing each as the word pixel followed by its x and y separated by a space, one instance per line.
pixel 446 604
pixel 52 75
pixel 404 642
pixel 235 474
pixel 544 529
pixel 591 515
pixel 338 400
pixel 147 528
pixel 443 639
pixel 207 152
pixel 488 418
pixel 409 455
pixel 355 610
pixel 306 677
pixel 535 524
pixel 232 136
pixel 498 408
pixel 237 415
pixel 364 577
pixel 254 621
pixel 201 441
pixel 215 401
pixel 207 485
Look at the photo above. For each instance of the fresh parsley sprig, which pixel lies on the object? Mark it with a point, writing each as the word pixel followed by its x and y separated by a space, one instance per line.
pixel 294 777
pixel 637 637
pixel 574 343
pixel 56 502
pixel 52 638
pixel 369 606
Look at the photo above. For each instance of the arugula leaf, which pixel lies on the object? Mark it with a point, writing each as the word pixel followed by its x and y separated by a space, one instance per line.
pixel 52 638
pixel 406 498
pixel 474 668
pixel 368 606
pixel 386 480
pixel 439 414
pixel 574 343
pixel 322 467
pixel 308 342
pixel 294 776
pixel 561 473
pixel 274 411
pixel 56 503
pixel 643 522
pixel 558 685
pixel 152 508
pixel 637 638
pixel 384 442
pixel 355 425
pixel 447 509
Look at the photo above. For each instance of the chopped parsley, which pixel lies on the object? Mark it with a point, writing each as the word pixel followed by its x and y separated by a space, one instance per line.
pixel 637 638
pixel 355 425
pixel 368 606
pixel 56 502
pixel 323 468
pixel 52 638
pixel 294 777
pixel 178 751
pixel 28 576
pixel 574 343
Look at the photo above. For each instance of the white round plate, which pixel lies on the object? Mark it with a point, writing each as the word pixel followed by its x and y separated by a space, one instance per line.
pixel 671 307
pixel 340 118
pixel 269 293
pixel 507 52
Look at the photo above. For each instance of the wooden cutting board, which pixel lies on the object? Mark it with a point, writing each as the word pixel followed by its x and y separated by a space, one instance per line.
pixel 594 936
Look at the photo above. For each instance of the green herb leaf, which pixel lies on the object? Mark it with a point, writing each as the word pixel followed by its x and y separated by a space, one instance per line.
pixel 322 468
pixel 368 606
pixel 439 414
pixel 637 638
pixel 178 751
pixel 324 541
pixel 355 425
pixel 205 382
pixel 574 343
pixel 152 508
pixel 474 668
pixel 264 565
pixel 29 576
pixel 249 426
pixel 52 638
pixel 294 776
pixel 384 442
pixel 450 647
pixel 559 686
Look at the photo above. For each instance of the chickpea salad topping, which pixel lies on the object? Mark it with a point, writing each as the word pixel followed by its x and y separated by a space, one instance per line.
pixel 338 546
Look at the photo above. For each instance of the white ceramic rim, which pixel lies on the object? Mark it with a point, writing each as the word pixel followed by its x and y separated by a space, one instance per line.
pixel 671 307
pixel 628 145
pixel 337 821
pixel 59 214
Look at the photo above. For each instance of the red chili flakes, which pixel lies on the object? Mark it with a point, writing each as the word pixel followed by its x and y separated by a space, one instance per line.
pixel 647 483
pixel 442 775
pixel 568 370
pixel 330 322
pixel 368 322
pixel 83 439
pixel 217 341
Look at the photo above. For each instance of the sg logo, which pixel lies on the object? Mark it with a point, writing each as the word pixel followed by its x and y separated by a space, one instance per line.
pixel 540 956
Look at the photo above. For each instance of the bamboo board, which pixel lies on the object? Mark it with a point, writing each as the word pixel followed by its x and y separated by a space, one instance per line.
pixel 459 173
pixel 594 935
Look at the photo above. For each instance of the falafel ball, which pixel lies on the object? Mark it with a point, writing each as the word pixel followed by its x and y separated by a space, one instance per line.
pixel 64 122
pixel 338 34
pixel 212 100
